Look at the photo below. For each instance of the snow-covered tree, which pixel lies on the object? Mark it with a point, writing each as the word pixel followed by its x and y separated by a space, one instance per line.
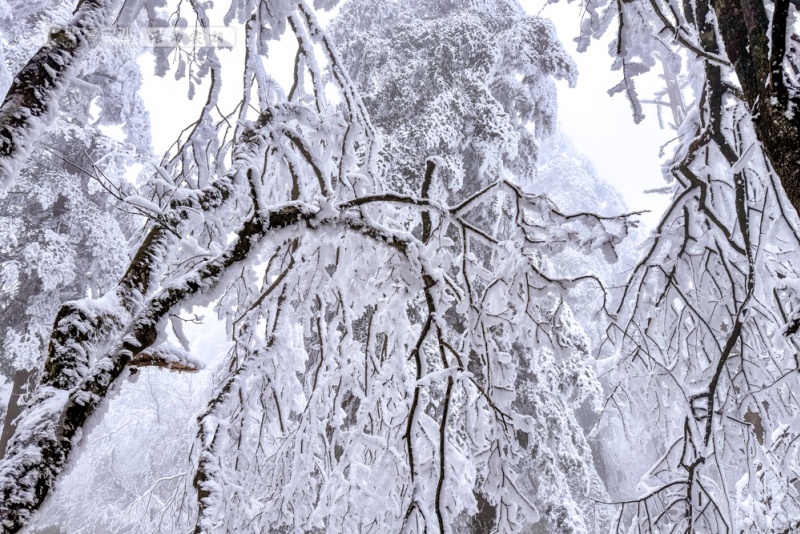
pixel 403 354
pixel 468 89
pixel 703 357
pixel 471 83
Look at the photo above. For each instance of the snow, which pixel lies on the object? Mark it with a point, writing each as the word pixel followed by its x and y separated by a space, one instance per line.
pixel 22 123
pixel 144 204
pixel 360 372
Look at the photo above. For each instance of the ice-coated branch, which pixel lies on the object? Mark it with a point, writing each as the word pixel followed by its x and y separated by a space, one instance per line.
pixel 698 315
pixel 75 331
pixel 71 387
pixel 678 35
pixel 165 357
pixel 51 427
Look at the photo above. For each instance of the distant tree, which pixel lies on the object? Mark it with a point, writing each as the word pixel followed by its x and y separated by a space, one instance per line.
pixel 469 90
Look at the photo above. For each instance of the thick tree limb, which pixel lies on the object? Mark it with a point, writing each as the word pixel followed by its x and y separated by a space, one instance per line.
pixel 167 357
pixel 52 426
pixel 71 388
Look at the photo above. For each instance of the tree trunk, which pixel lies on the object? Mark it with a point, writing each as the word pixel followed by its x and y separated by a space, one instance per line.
pixel 22 383
pixel 744 27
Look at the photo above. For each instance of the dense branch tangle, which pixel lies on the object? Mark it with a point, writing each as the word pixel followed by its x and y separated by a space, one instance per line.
pixel 701 320
pixel 396 389
pixel 94 341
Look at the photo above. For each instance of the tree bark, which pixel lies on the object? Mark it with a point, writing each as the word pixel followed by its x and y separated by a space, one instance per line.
pixel 746 30
pixel 22 381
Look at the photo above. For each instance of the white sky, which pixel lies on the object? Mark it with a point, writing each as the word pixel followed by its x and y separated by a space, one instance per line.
pixel 624 154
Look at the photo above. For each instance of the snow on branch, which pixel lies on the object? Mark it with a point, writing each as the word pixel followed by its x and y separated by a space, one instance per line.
pixel 399 359
pixel 167 357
